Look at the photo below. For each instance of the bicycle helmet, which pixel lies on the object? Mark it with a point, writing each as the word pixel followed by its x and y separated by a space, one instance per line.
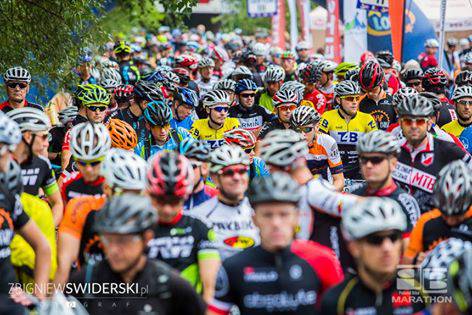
pixel 321 67
pixel 352 75
pixel 295 86
pixel 186 61
pixel 68 115
pixel 124 169
pixel 225 85
pixel 195 149
pixel 227 155
pixel 288 55
pixel 347 88
pixel 378 141
pixel 415 105
pixel 216 97
pixel 122 47
pixel 61 305
pixel 187 96
pixel 303 45
pixel 453 189
pixel 304 116
pixel 461 92
pixel 170 174
pixel 245 85
pixel 344 67
pixel 158 113
pixel 435 80
pixel 308 73
pixel 122 135
pixel 10 133
pixel 366 56
pixel 277 187
pixel 149 91
pixel 241 137
pixel 183 74
pixel 220 54
pixel 30 119
pixel 285 97
pixel 468 58
pixel 275 52
pixel 431 43
pixel 274 74
pixel 11 179
pixel 241 72
pixel 433 99
pixel 385 58
pixel 89 141
pixel 412 74
pixel 206 62
pixel 282 147
pixel 126 214
pixel 464 78
pixel 123 93
pixel 17 74
pixel 371 75
pixel 460 281
pixel 403 94
pixel 94 94
pixel 259 49
pixel 372 215
pixel 110 78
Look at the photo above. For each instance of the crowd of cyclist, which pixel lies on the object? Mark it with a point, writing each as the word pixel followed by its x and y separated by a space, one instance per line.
pixel 224 175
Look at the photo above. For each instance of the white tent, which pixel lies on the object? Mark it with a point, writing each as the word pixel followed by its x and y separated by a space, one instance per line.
pixel 458 13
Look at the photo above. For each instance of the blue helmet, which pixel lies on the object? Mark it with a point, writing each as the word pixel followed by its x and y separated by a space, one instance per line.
pixel 466 139
pixel 187 96
pixel 154 76
pixel 245 85
pixel 158 113
pixel 195 149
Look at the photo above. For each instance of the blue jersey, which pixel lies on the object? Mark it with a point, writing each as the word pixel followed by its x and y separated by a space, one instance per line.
pixel 258 168
pixel 147 148
pixel 466 138
pixel 186 123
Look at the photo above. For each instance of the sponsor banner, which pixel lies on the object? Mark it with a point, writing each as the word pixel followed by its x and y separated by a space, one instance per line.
pixel 332 39
pixel 261 8
pixel 278 25
pixel 305 9
pixel 355 32
pixel 415 177
pixel 397 17
pixel 373 5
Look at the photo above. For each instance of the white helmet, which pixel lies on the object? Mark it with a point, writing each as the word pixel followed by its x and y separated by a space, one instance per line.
pixel 281 147
pixel 30 119
pixel 378 141
pixel 462 91
pixel 373 214
pixel 17 74
pixel 89 141
pixel 274 73
pixel 297 87
pixel 10 133
pixel 431 43
pixel 227 155
pixel 403 94
pixel 242 71
pixel 216 97
pixel 124 169
pixel 259 49
pixel 110 78
pixel 219 53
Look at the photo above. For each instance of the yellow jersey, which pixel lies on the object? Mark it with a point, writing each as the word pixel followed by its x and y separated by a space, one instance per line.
pixel 201 130
pixel 454 128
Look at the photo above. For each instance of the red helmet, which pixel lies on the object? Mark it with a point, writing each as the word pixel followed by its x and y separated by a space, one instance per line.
pixel 123 93
pixel 186 61
pixel 366 56
pixel 170 175
pixel 434 78
pixel 371 75
pixel 241 137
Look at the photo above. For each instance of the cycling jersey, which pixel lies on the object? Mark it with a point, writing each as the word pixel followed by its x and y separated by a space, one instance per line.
pixel 78 222
pixel 181 244
pixel 323 154
pixel 455 127
pixel 352 296
pixel 429 231
pixel 417 169
pixel 55 145
pixel 251 118
pixel 205 87
pixel 186 123
pixel 156 289
pixel 264 99
pixel 346 134
pixel 75 186
pixel 37 174
pixel 5 106
pixel 289 281
pixel 382 111
pixel 447 113
pixel 148 148
pixel 466 139
pixel 328 93
pixel 317 99
pixel 269 126
pixel 201 130
pixel 392 81
pixel 129 72
pixel 197 198
pixel 427 61
pixel 258 168
pixel 233 226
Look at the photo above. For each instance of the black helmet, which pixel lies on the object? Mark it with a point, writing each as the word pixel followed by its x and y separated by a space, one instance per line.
pixel 277 187
pixel 126 214
pixel 464 78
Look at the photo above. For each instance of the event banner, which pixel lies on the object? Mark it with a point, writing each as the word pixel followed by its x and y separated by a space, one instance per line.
pixel 333 42
pixel 278 25
pixel 355 31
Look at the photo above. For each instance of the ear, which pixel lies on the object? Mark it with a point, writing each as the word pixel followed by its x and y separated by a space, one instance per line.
pixel 430 124
pixel 354 248
pixel 147 236
pixel 207 110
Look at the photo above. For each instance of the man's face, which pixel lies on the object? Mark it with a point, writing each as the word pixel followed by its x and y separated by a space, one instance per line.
pixel 431 50
pixel 374 92
pixel 218 113
pixel 246 98
pixel 415 129
pixel 284 111
pixel 464 108
pixel 273 87
pixel 277 223
pixel 197 171
pixel 206 72
pixel 326 77
pixel 41 143
pixel 167 209
pixel 376 167
pixel 233 180
pixel 122 251
pixel 182 111
pixel 350 104
pixel 96 113
pixel 288 65
pixel 415 84
pixel 90 170
pixel 260 60
pixel 160 133
pixel 17 90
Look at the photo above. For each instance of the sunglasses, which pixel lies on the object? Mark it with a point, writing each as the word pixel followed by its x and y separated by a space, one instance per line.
pixel 220 109
pixel 464 102
pixel 375 160
pixel 287 107
pixel 247 95
pixel 95 108
pixel 196 165
pixel 413 83
pixel 43 136
pixel 249 150
pixel 351 98
pixel 378 240
pixel 13 85
pixel 418 121
pixel 305 129
pixel 230 171
pixel 91 163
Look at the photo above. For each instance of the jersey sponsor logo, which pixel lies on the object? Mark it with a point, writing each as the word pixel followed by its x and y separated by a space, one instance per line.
pixel 216 143
pixel 415 177
pixel 73 194
pixel 30 176
pixel 381 118
pixel 250 123
pixel 295 272
pixel 345 137
pixel 233 225
pixel 279 302
pixel 171 247
pixel 240 242
pixel 252 274
pixel 361 311
pixel 427 159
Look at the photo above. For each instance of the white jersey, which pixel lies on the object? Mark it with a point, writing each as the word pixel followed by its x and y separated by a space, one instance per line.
pixel 233 226
pixel 205 87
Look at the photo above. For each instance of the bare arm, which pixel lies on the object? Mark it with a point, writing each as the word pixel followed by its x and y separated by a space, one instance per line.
pixel 67 252
pixel 338 181
pixel 208 270
pixel 57 206
pixel 65 158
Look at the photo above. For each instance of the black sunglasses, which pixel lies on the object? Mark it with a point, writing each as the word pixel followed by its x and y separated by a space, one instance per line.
pixel 13 85
pixel 378 240
pixel 99 108
pixel 375 160
pixel 248 95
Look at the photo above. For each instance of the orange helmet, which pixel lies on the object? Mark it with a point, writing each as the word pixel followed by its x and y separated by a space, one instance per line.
pixel 122 134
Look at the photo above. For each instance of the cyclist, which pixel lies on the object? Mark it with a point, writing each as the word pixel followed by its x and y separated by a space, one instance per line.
pixel 182 241
pixel 422 156
pixel 436 81
pixel 303 52
pixel 129 72
pixel 323 75
pixel 462 99
pixel 464 78
pixel 342 69
pixel 260 51
pixel 58 133
pixel 247 141
pixel 162 137
pixel 273 79
pixel 285 102
pixel 125 227
pixel 323 157
pixel 346 124
pixel 207 80
pixel 378 151
pixel 123 95
pixel 413 78
pixel 211 129
pixel 373 229
pixel 427 59
pixel 391 79
pixel 376 102
pixel 290 65
pixel 219 56
pixel 316 99
pixel 122 134
pixel 89 145
pixel 197 151
pixel 229 214
pixel 459 282
pixel 183 108
pixel 36 169
pixel 251 116
pixel 258 279
pixel 78 243
pixel 17 82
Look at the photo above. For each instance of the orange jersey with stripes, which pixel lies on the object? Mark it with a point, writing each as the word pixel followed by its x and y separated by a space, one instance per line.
pixel 323 154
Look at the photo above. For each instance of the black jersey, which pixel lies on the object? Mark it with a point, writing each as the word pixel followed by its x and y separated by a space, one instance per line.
pixel 75 186
pixel 37 174
pixel 446 114
pixel 269 126
pixel 382 111
pixel 57 135
pixel 251 118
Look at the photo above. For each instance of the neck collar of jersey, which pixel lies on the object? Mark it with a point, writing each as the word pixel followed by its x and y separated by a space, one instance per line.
pixel 96 182
pixel 382 192
pixel 281 252
pixel 428 147
pixel 175 220
pixel 341 111
pixel 236 204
